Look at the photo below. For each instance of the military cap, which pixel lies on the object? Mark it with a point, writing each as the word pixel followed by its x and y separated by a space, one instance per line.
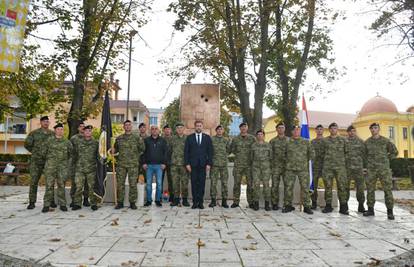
pixel 243 124
pixel 333 124
pixel 81 122
pixel 58 125
pixel 374 124
pixel 90 127
pixel 260 131
pixel 141 125
pixel 295 127
pixel 178 124
pixel 319 126
pixel 166 126
pixel 350 128
pixel 219 126
pixel 44 118
pixel 280 124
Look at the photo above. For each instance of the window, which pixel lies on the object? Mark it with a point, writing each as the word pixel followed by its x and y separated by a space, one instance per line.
pixel 406 154
pixel 405 132
pixel 391 132
pixel 153 120
pixel 117 118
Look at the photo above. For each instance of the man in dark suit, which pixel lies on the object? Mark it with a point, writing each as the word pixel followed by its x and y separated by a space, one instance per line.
pixel 198 155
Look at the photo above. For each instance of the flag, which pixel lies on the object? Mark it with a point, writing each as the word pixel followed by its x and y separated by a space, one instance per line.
pixel 104 145
pixel 304 133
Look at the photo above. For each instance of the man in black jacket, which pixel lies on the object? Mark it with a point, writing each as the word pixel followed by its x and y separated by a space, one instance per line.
pixel 198 155
pixel 154 161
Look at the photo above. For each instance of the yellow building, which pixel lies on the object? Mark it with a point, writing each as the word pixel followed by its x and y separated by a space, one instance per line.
pixel 396 125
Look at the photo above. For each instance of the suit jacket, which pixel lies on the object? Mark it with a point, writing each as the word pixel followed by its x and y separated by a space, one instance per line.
pixel 198 155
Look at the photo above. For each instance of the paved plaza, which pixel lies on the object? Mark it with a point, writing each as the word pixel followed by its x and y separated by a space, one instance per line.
pixel 211 237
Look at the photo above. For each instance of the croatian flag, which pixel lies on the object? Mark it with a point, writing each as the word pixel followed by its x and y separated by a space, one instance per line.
pixel 304 133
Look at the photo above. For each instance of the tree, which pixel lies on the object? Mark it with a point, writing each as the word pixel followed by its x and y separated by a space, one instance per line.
pixel 253 46
pixel 93 36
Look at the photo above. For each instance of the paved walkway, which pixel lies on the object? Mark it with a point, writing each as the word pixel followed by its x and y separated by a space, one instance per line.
pixel 184 237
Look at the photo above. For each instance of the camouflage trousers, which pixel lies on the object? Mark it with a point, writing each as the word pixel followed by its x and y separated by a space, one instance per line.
pixel 51 175
pixel 261 175
pixel 303 177
pixel 167 172
pixel 82 179
pixel 317 174
pixel 121 174
pixel 35 170
pixel 384 175
pixel 341 183
pixel 179 181
pixel 277 176
pixel 238 173
pixel 72 179
pixel 219 173
pixel 358 176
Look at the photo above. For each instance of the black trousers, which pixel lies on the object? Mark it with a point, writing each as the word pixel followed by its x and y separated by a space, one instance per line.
pixel 198 183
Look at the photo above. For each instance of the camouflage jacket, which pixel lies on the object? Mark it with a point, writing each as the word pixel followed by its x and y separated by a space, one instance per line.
pixel 129 148
pixel 59 153
pixel 355 157
pixel 75 140
pixel 221 149
pixel 177 150
pixel 36 142
pixel 278 151
pixel 317 162
pixel 240 147
pixel 379 152
pixel 86 151
pixel 298 153
pixel 261 155
pixel 334 152
pixel 168 139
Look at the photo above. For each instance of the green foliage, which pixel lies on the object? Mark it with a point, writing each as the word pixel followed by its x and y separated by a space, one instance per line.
pixel 14 157
pixel 171 114
pixel 225 120
pixel 400 167
pixel 116 131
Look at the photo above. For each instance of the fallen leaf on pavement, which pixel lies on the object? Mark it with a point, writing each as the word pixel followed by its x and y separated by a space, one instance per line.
pixel 249 236
pixel 201 243
pixel 55 240
pixel 148 221
pixel 114 222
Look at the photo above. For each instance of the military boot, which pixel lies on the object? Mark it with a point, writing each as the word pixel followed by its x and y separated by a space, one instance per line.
pixel 31 206
pixel 267 206
pixel 212 203
pixel 361 207
pixel 175 202
pixel 63 208
pixel 328 208
pixel 234 205
pixel 86 202
pixel 45 209
pixel 94 207
pixel 53 204
pixel 390 214
pixel 76 207
pixel 255 205
pixel 119 206
pixel 224 203
pixel 343 209
pixel 287 208
pixel 275 207
pixel 185 202
pixel 314 205
pixel 369 212
pixel 307 210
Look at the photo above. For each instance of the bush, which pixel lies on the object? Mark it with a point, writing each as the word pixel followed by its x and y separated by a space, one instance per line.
pixel 15 157
pixel 400 167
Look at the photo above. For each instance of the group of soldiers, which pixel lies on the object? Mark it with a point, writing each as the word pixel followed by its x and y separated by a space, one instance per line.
pixel 264 165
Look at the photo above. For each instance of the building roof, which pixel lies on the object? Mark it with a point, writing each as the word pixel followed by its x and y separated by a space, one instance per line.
pixel 378 104
pixel 325 118
pixel 136 104
pixel 410 109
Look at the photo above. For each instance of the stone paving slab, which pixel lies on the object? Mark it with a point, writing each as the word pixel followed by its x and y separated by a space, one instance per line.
pixel 212 237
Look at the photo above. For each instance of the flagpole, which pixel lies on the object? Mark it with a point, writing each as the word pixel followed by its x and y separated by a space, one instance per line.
pixel 114 175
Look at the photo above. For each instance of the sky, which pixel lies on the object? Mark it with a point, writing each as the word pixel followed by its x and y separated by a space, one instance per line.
pixel 370 65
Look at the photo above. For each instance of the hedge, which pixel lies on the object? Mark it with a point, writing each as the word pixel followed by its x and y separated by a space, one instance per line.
pixel 15 157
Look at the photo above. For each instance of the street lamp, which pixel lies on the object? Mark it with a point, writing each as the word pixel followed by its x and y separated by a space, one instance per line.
pixel 131 35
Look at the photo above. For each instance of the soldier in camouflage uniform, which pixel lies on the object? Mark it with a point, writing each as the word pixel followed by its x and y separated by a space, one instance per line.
pixel 128 148
pixel 334 166
pixel 142 128
pixel 379 151
pixel 35 143
pixel 317 163
pixel 58 153
pixel 240 147
pixel 75 140
pixel 298 154
pixel 178 171
pixel 278 144
pixel 261 158
pixel 219 171
pixel 86 152
pixel 355 159
pixel 167 135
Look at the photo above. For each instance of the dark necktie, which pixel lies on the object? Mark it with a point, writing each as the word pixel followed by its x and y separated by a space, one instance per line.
pixel 198 139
